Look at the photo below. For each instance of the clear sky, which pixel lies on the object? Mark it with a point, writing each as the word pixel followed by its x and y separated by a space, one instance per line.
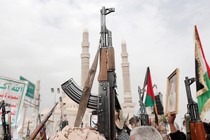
pixel 41 40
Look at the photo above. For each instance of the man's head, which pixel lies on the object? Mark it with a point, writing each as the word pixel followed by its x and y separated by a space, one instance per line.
pixel 207 130
pixel 145 133
pixel 134 121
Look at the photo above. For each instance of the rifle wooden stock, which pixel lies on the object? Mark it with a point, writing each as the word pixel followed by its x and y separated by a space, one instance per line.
pixel 197 131
pixel 43 133
pixel 42 124
pixel 36 131
pixel 103 65
pixel 111 59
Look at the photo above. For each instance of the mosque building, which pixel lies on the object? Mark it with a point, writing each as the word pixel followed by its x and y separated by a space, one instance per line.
pixel 69 109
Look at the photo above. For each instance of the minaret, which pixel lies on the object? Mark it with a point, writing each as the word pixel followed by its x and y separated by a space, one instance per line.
pixel 70 108
pixel 128 106
pixel 85 56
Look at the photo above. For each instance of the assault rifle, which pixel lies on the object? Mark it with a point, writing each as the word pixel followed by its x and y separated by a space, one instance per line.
pixel 42 124
pixel 107 81
pixel 195 129
pixel 6 127
pixel 106 102
pixel 144 118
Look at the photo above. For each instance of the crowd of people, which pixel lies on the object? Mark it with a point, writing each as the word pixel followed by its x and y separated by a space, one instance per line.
pixel 153 132
pixel 131 129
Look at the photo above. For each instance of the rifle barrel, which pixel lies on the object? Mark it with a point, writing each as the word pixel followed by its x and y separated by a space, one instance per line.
pixel 41 125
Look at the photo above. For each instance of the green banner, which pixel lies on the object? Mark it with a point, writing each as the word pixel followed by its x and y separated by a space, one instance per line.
pixel 31 88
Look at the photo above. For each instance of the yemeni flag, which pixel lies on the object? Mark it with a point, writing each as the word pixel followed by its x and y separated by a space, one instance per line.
pixel 202 73
pixel 150 97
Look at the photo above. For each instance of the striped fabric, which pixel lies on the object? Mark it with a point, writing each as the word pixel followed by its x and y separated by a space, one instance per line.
pixel 123 135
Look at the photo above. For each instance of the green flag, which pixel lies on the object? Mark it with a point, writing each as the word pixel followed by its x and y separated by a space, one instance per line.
pixel 202 72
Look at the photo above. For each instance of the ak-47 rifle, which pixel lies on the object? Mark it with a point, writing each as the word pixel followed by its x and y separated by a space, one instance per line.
pixel 42 124
pixel 107 81
pixel 196 127
pixel 144 118
pixel 6 127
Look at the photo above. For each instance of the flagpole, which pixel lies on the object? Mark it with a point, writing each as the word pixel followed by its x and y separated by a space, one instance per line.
pixel 155 105
pixel 145 83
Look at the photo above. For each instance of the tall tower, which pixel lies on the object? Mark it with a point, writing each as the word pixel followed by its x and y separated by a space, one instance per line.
pixel 85 56
pixel 70 108
pixel 128 106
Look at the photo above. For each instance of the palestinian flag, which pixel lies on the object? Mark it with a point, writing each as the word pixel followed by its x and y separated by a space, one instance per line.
pixel 202 73
pixel 150 97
